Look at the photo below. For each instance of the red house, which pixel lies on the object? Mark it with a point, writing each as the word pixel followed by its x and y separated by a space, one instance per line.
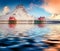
pixel 41 18
pixel 12 20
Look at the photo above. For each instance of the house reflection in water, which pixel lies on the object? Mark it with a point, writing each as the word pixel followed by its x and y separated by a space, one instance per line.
pixel 12 25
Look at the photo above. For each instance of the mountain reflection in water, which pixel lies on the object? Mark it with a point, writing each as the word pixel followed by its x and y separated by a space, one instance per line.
pixel 29 29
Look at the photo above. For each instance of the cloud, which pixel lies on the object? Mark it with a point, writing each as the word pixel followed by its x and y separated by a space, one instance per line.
pixel 35 3
pixel 6 10
pixel 52 6
pixel 32 5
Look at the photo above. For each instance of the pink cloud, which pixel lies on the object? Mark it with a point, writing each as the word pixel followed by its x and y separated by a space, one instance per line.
pixel 52 6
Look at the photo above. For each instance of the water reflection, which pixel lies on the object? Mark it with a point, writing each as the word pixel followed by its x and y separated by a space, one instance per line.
pixel 12 25
pixel 34 32
pixel 41 25
pixel 31 30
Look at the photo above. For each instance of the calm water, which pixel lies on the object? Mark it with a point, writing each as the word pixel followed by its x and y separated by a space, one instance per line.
pixel 31 30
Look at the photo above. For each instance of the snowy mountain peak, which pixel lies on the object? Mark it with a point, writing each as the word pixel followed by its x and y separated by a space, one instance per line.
pixel 19 13
pixel 21 8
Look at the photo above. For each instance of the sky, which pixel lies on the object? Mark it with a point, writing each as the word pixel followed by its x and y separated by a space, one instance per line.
pixel 35 8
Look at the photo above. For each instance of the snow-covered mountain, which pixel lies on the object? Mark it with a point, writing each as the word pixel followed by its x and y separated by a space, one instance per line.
pixel 19 13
